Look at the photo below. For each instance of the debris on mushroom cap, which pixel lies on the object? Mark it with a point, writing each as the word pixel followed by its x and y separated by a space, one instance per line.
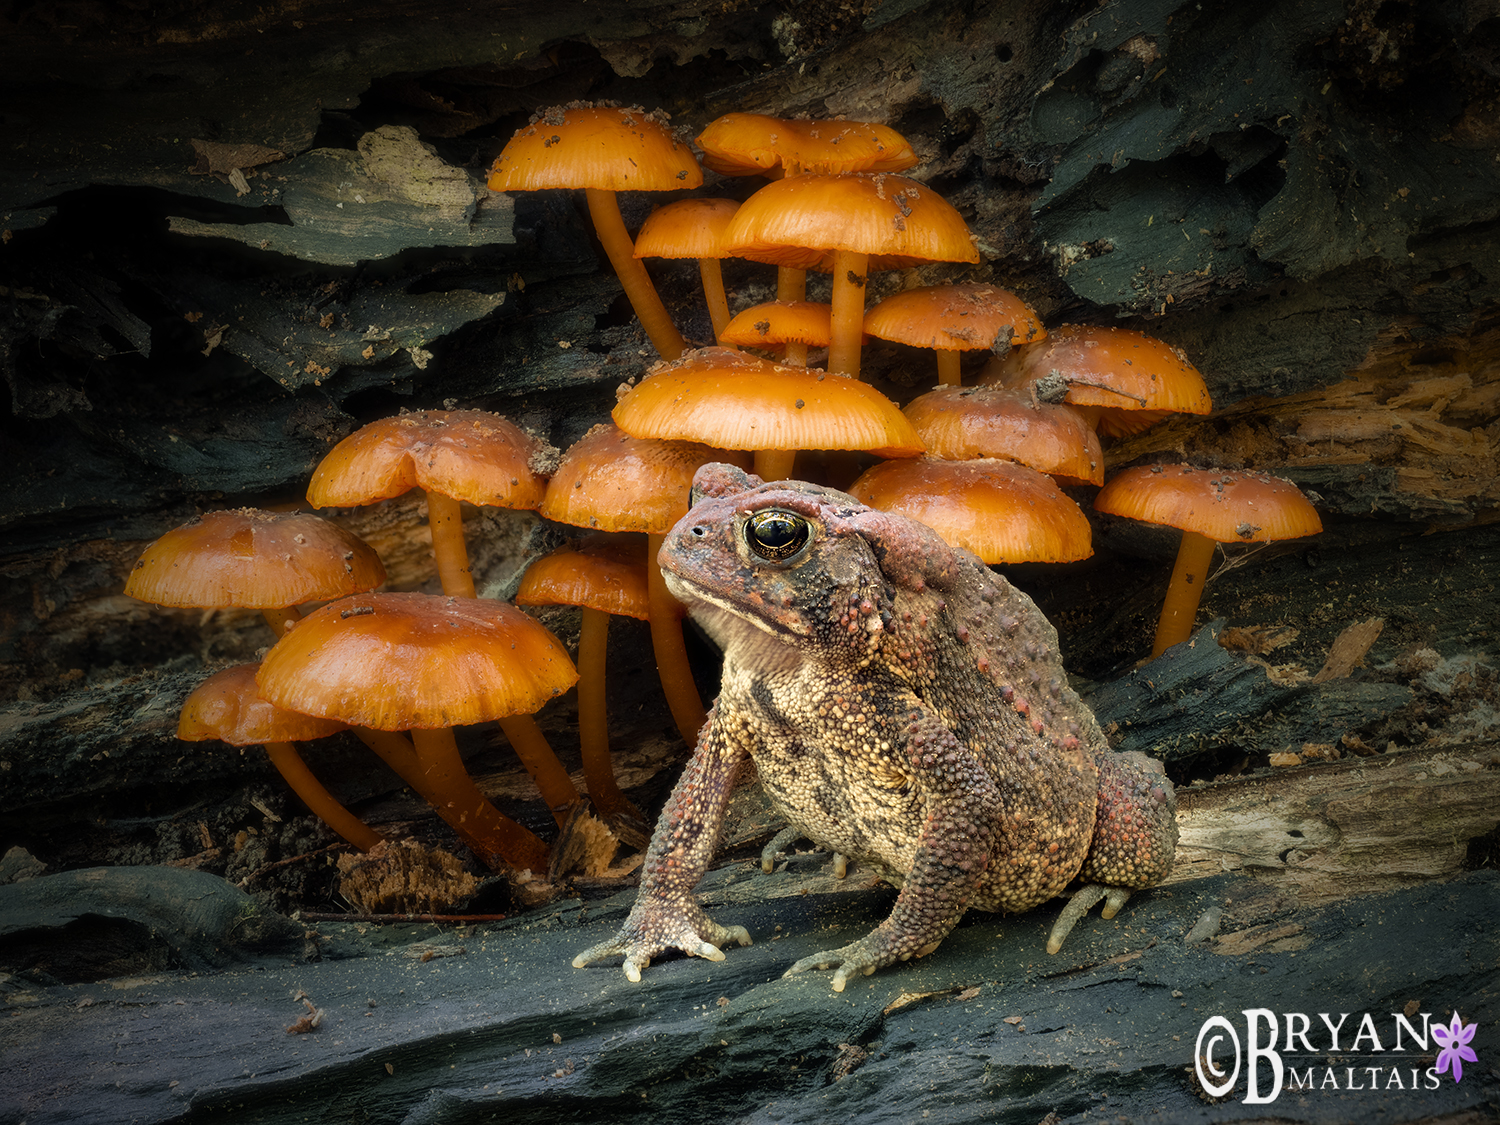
pixel 398 661
pixel 1119 369
pixel 1001 511
pixel 595 146
pixel 611 481
pixel 962 423
pixel 792 222
pixel 959 317
pixel 226 707
pixel 746 144
pixel 255 560
pixel 778 322
pixel 689 228
pixel 1226 505
pixel 727 398
pixel 606 572
pixel 470 455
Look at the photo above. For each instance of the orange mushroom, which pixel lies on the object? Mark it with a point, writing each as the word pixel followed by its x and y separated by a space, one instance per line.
pixel 454 455
pixel 955 318
pixel 865 221
pixel 794 324
pixel 693 228
pixel 605 149
pixel 1001 511
pixel 426 663
pixel 1124 381
pixel 1211 506
pixel 604 574
pixel 746 144
pixel 611 481
pixel 727 398
pixel 226 707
pixel 962 423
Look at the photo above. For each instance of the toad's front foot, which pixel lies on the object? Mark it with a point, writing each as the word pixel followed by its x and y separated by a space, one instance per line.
pixel 1078 906
pixel 651 931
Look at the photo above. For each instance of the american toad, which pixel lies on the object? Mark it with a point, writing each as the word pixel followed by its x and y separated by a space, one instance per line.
pixel 905 706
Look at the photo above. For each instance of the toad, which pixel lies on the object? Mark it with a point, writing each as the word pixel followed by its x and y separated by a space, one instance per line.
pixel 904 706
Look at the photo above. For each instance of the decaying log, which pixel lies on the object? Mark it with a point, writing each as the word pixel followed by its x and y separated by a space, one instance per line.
pixel 1325 832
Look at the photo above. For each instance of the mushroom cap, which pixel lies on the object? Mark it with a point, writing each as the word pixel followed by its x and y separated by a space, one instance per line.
pixel 955 317
pixel 225 706
pixel 689 228
pixel 793 222
pixel 585 146
pixel 779 322
pixel 1003 512
pixel 1117 368
pixel 255 560
pixel 610 481
pixel 1226 505
pixel 469 455
pixel 747 144
pixel 730 399
pixel 963 423
pixel 604 572
pixel 398 661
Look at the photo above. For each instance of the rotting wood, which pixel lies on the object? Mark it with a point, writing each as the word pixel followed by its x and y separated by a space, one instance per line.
pixel 1329 831
pixel 1422 414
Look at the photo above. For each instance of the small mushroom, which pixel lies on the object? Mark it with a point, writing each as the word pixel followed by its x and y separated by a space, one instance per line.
pixel 693 228
pixel 226 707
pixel 1211 506
pixel 955 318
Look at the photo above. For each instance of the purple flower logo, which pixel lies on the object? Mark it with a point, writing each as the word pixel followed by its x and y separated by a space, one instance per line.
pixel 1454 1040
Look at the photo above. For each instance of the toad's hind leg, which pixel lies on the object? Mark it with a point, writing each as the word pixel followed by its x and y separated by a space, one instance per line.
pixel 1079 905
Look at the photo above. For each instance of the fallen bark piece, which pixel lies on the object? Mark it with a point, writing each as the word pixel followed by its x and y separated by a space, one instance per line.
pixel 1330 831
pixel 1349 648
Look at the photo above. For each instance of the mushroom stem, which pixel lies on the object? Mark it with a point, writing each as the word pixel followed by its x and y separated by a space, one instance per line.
pixel 280 620
pixel 530 745
pixel 664 613
pixel 447 786
pixel 791 284
pixel 774 464
pixel 795 354
pixel 450 552
pixel 593 720
pixel 1183 594
pixel 848 317
pixel 947 361
pixel 655 319
pixel 712 276
pixel 319 801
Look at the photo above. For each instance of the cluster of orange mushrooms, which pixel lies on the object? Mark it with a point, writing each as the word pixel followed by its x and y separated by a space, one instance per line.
pixel 980 463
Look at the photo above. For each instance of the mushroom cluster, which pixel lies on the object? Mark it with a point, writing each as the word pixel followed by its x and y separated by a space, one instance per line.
pixel 985 464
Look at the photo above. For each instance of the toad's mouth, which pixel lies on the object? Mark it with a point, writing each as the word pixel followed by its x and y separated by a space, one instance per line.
pixel 726 621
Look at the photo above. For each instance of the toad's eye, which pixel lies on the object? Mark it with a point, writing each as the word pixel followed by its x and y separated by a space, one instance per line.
pixel 776 535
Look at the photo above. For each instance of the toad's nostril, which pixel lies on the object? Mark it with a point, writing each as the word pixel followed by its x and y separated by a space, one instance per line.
pixel 700 531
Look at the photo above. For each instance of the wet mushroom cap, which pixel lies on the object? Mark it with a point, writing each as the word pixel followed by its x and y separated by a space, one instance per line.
pixel 957 317
pixel 226 707
pixel 255 560
pixel 1225 505
pixel 610 481
pixel 399 661
pixel 963 423
pixel 1116 368
pixel 470 455
pixel 689 228
pixel 605 147
pixel 779 322
pixel 896 220
pixel 1001 511
pixel 603 572
pixel 730 399
pixel 748 144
